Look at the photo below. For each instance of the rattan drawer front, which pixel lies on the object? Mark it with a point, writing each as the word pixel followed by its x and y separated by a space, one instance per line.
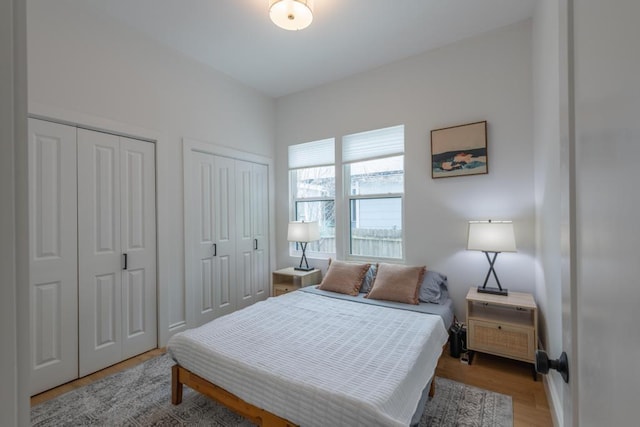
pixel 283 289
pixel 503 340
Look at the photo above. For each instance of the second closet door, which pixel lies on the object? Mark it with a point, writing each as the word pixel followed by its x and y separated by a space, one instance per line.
pixel 212 233
pixel 252 204
pixel 116 216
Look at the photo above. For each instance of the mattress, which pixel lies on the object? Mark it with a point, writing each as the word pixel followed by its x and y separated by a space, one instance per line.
pixel 319 361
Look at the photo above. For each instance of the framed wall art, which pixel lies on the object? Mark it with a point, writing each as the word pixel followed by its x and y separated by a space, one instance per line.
pixel 459 150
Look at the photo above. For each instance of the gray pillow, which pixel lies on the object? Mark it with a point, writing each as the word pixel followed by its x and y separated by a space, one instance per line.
pixel 434 288
pixel 368 279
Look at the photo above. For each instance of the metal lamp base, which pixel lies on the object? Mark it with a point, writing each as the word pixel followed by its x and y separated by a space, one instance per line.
pixel 494 291
pixel 304 268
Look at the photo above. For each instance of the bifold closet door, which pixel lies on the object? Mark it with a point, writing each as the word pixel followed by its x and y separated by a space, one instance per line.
pixel 211 264
pixel 116 288
pixel 260 221
pixel 252 230
pixel 99 251
pixel 138 225
pixel 53 254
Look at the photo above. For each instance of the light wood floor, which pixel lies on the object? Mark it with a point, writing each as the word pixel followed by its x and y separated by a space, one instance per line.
pixel 510 377
pixel 530 407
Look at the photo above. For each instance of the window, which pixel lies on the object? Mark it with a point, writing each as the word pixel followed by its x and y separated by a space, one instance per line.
pixel 312 175
pixel 369 214
pixel 374 187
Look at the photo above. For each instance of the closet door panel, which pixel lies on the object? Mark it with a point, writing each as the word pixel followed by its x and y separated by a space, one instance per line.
pixel 224 225
pixel 53 254
pixel 260 228
pixel 211 277
pixel 99 251
pixel 138 225
pixel 244 234
pixel 105 288
pixel 200 273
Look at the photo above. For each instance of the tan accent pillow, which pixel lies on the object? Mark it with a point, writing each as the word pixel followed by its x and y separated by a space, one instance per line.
pixel 399 283
pixel 344 277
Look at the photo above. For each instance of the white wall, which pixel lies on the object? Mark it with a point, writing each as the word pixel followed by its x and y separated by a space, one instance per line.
pixel 595 321
pixel 89 67
pixel 483 78
pixel 607 146
pixel 14 296
pixel 547 160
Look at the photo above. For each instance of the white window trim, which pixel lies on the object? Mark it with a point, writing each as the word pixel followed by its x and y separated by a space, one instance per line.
pixel 346 222
pixel 293 252
pixel 342 208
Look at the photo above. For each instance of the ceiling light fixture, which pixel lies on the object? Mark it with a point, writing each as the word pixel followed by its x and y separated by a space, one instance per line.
pixel 291 14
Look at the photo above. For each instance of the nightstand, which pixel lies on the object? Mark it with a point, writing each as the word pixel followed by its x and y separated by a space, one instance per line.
pixel 504 326
pixel 288 280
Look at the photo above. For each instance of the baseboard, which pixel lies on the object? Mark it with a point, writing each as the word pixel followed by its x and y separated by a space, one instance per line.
pixel 554 401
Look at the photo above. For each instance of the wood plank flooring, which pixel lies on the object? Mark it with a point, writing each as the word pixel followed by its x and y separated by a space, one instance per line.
pixel 510 377
pixel 530 407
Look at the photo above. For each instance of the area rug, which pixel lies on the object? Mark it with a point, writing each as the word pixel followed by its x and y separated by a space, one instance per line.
pixel 141 396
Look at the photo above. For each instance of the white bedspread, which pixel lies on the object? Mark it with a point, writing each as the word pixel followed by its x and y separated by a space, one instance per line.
pixel 318 361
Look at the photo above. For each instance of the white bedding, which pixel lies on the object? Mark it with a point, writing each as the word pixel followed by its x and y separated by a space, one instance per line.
pixel 318 361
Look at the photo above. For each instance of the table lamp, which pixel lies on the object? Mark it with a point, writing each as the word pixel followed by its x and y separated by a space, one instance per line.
pixel 303 232
pixel 494 237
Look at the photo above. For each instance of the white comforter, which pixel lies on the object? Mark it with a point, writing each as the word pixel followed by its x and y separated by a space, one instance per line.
pixel 318 361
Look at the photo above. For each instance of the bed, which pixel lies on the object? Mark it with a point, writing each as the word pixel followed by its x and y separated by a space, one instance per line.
pixel 316 358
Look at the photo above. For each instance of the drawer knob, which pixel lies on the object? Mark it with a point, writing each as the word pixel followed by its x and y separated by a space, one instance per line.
pixel 499 327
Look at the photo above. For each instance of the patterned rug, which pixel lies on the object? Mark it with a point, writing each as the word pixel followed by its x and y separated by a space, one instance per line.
pixel 141 396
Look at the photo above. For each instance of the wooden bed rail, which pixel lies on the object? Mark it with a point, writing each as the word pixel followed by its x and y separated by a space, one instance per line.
pixel 181 376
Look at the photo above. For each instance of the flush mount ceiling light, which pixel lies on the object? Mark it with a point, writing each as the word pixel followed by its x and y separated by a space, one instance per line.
pixel 291 14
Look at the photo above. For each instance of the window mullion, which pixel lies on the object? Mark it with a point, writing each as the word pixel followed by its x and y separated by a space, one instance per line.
pixel 376 196
pixel 313 199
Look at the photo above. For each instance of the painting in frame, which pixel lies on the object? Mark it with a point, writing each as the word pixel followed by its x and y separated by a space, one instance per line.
pixel 459 150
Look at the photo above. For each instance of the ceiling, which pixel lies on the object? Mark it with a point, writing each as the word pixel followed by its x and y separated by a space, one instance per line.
pixel 346 37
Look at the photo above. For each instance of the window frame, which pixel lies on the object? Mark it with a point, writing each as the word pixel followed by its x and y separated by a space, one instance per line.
pixel 342 202
pixel 349 198
pixel 294 248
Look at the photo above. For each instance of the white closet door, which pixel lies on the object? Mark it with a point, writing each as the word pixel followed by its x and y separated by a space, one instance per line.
pixel 199 208
pixel 53 254
pixel 252 207
pixel 138 226
pixel 225 229
pixel 99 251
pixel 210 273
pixel 260 228
pixel 244 237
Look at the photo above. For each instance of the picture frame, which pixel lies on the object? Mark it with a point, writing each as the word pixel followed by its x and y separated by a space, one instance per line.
pixel 459 150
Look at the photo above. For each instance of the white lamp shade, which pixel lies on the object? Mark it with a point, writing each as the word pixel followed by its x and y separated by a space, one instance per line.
pixel 291 14
pixel 491 236
pixel 300 231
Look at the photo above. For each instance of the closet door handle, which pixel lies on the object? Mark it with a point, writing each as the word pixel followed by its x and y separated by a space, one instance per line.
pixel 255 244
pixel 125 261
pixel 215 249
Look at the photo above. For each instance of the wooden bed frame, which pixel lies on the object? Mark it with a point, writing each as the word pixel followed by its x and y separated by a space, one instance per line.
pixel 181 376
